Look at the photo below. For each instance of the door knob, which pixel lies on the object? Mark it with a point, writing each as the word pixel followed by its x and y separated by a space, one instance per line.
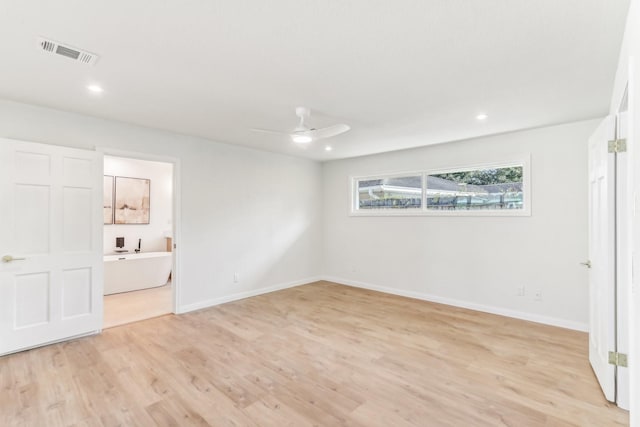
pixel 9 258
pixel 587 264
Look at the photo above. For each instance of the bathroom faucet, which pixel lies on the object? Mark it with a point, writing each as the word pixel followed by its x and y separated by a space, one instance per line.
pixel 137 250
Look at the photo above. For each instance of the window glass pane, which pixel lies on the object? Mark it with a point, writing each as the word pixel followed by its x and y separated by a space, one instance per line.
pixel 488 189
pixel 400 192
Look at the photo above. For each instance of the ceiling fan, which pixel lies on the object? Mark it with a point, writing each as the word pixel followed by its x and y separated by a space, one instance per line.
pixel 303 134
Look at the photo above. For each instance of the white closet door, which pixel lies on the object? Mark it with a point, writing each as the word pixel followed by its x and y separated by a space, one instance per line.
pixel 602 255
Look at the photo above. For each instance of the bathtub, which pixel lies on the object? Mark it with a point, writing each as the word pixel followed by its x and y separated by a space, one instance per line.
pixel 131 272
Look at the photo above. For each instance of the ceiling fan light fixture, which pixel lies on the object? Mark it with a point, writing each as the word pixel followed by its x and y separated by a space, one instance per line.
pixel 301 139
pixel 304 134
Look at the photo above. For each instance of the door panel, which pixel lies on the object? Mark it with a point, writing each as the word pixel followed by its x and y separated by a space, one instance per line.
pixel 76 292
pixel 76 213
pixel 602 255
pixel 32 293
pixel 32 167
pixel 32 222
pixel 51 223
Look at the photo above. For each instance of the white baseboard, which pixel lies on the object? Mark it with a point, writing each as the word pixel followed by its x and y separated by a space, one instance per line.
pixel 546 320
pixel 562 323
pixel 241 295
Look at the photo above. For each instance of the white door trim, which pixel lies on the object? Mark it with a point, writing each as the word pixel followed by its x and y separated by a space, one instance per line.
pixel 176 222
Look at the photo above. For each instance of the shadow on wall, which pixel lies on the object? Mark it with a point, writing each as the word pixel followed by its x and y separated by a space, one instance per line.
pixel 272 256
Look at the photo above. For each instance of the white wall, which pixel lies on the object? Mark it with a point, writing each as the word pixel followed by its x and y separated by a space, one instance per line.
pixel 242 210
pixel 476 262
pixel 160 209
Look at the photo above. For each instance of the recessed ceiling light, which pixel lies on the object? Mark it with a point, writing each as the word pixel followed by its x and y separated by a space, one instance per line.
pixel 482 116
pixel 328 148
pixel 95 89
pixel 301 139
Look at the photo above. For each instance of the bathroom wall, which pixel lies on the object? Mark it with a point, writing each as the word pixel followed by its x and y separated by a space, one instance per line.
pixel 161 193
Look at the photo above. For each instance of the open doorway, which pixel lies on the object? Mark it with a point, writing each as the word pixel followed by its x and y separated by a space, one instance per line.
pixel 139 276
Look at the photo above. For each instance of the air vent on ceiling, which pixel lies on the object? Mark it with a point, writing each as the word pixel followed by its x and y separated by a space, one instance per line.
pixel 79 55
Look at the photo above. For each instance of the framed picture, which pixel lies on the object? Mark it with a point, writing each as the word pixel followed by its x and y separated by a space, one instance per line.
pixel 107 203
pixel 132 200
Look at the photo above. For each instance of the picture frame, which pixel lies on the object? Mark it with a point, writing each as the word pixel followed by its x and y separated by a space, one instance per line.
pixel 132 200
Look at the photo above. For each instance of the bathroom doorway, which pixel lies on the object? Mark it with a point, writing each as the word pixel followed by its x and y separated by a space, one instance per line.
pixel 139 207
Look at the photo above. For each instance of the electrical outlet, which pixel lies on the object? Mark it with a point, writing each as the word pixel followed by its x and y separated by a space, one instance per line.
pixel 520 291
pixel 236 277
pixel 537 295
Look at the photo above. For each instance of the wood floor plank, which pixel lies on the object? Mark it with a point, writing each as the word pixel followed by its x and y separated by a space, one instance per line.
pixel 175 411
pixel 269 411
pixel 314 355
pixel 128 307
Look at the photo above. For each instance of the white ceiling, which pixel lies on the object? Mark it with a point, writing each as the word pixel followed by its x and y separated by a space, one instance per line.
pixel 402 73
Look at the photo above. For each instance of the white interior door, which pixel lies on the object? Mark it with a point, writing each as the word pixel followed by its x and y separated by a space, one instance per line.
pixel 51 225
pixel 634 175
pixel 602 255
pixel 624 197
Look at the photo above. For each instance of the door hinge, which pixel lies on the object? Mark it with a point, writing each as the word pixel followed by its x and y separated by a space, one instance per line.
pixel 618 359
pixel 617 146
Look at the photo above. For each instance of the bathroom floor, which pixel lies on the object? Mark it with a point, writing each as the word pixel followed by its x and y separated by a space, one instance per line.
pixel 128 307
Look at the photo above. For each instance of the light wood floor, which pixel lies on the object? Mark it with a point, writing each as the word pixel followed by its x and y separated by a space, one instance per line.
pixel 320 354
pixel 127 307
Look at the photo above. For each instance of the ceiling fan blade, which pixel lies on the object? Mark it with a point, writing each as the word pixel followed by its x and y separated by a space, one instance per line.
pixel 273 132
pixel 327 132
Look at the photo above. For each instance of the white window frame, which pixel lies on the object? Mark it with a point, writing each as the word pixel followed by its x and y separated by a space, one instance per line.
pixel 522 160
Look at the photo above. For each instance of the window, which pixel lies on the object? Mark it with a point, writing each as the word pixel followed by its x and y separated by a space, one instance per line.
pixel 390 192
pixel 476 189
pixel 488 189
